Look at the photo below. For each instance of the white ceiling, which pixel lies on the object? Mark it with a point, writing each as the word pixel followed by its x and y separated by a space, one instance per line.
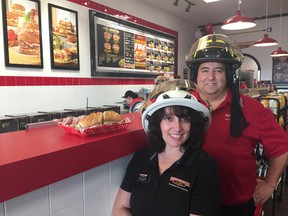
pixel 216 12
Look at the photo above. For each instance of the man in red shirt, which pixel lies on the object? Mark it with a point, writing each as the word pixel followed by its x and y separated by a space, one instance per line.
pixel 134 101
pixel 239 123
pixel 243 85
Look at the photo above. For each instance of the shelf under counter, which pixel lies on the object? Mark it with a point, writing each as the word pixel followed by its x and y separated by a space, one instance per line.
pixel 38 157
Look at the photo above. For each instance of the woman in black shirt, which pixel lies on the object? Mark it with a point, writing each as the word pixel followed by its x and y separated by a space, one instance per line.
pixel 173 176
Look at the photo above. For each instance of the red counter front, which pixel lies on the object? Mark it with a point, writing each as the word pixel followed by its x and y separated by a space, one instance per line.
pixel 41 156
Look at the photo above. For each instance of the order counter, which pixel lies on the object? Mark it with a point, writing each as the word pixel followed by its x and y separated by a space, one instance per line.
pixel 38 157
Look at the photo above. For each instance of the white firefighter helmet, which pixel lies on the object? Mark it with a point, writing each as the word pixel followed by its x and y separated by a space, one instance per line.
pixel 172 93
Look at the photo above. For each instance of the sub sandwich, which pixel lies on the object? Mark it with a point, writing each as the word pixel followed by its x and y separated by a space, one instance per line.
pixel 111 117
pixel 93 119
pixel 98 119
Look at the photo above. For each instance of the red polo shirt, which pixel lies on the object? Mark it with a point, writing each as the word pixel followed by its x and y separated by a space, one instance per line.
pixel 235 155
pixel 133 103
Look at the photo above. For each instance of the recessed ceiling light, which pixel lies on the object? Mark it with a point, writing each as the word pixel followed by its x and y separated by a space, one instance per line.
pixel 209 1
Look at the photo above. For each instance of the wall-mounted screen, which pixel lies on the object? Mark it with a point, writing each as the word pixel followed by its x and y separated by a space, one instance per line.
pixel 120 48
pixel 280 70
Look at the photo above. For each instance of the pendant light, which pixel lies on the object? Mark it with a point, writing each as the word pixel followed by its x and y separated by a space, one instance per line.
pixel 238 21
pixel 266 41
pixel 279 51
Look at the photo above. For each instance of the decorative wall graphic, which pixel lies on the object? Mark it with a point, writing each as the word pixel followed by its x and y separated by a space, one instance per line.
pixel 64 42
pixel 22 33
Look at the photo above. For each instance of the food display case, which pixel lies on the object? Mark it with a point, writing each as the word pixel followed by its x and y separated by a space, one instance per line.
pixel 52 114
pixel 23 120
pixel 90 110
pixel 66 113
pixel 112 107
pixel 102 109
pixel 78 111
pixel 38 117
pixel 8 124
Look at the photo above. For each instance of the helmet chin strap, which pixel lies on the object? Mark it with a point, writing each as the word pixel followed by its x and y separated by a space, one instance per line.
pixel 235 79
pixel 238 121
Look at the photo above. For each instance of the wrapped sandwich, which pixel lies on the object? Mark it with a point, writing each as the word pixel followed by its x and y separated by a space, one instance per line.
pixel 98 119
pixel 111 117
pixel 94 119
pixel 94 123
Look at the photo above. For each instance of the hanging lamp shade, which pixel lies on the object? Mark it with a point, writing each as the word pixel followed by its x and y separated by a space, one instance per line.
pixel 238 22
pixel 266 41
pixel 279 52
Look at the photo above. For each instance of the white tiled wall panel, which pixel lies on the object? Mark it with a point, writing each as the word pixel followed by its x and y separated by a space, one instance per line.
pixel 118 169
pixel 30 204
pixel 96 179
pixel 66 192
pixel 74 210
pixel 90 193
pixel 1 209
pixel 98 204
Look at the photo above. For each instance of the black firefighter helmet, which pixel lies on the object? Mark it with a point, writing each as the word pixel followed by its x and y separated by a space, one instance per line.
pixel 215 47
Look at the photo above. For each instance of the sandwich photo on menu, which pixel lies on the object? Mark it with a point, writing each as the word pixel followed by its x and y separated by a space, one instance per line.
pixel 29 39
pixel 64 39
pixel 140 52
pixel 23 32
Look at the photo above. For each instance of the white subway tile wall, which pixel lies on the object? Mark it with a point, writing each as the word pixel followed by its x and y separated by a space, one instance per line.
pixel 90 193
pixel 1 209
pixel 66 192
pixel 33 203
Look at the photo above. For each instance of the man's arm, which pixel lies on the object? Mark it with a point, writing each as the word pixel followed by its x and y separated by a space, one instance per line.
pixel 266 187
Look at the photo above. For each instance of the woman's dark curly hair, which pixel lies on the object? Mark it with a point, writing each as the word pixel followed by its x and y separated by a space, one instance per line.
pixel 197 132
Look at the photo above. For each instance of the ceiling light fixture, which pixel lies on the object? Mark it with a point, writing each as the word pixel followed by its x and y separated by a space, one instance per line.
pixel 176 3
pixel 189 6
pixel 279 51
pixel 266 41
pixel 269 29
pixel 238 21
pixel 209 1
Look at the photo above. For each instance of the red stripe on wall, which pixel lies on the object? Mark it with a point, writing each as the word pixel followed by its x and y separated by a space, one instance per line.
pixel 55 81
pixel 62 81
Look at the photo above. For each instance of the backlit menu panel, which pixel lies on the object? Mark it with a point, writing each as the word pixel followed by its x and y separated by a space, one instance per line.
pixel 121 48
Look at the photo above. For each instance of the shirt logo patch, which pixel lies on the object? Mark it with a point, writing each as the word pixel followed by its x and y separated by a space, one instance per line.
pixel 179 183
pixel 227 117
pixel 144 178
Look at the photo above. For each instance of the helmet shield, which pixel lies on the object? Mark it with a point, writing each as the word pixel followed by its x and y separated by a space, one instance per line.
pixel 172 93
pixel 215 47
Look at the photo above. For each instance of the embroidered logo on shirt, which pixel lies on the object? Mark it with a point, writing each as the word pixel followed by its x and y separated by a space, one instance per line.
pixel 144 178
pixel 227 117
pixel 179 183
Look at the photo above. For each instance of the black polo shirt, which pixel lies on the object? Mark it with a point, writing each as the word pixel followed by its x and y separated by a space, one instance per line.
pixel 190 185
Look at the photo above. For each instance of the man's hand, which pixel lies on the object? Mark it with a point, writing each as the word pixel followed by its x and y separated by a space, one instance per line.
pixel 263 192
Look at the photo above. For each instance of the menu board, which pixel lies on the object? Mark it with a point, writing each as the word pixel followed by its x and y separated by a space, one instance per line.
pixel 110 48
pixel 280 70
pixel 125 49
